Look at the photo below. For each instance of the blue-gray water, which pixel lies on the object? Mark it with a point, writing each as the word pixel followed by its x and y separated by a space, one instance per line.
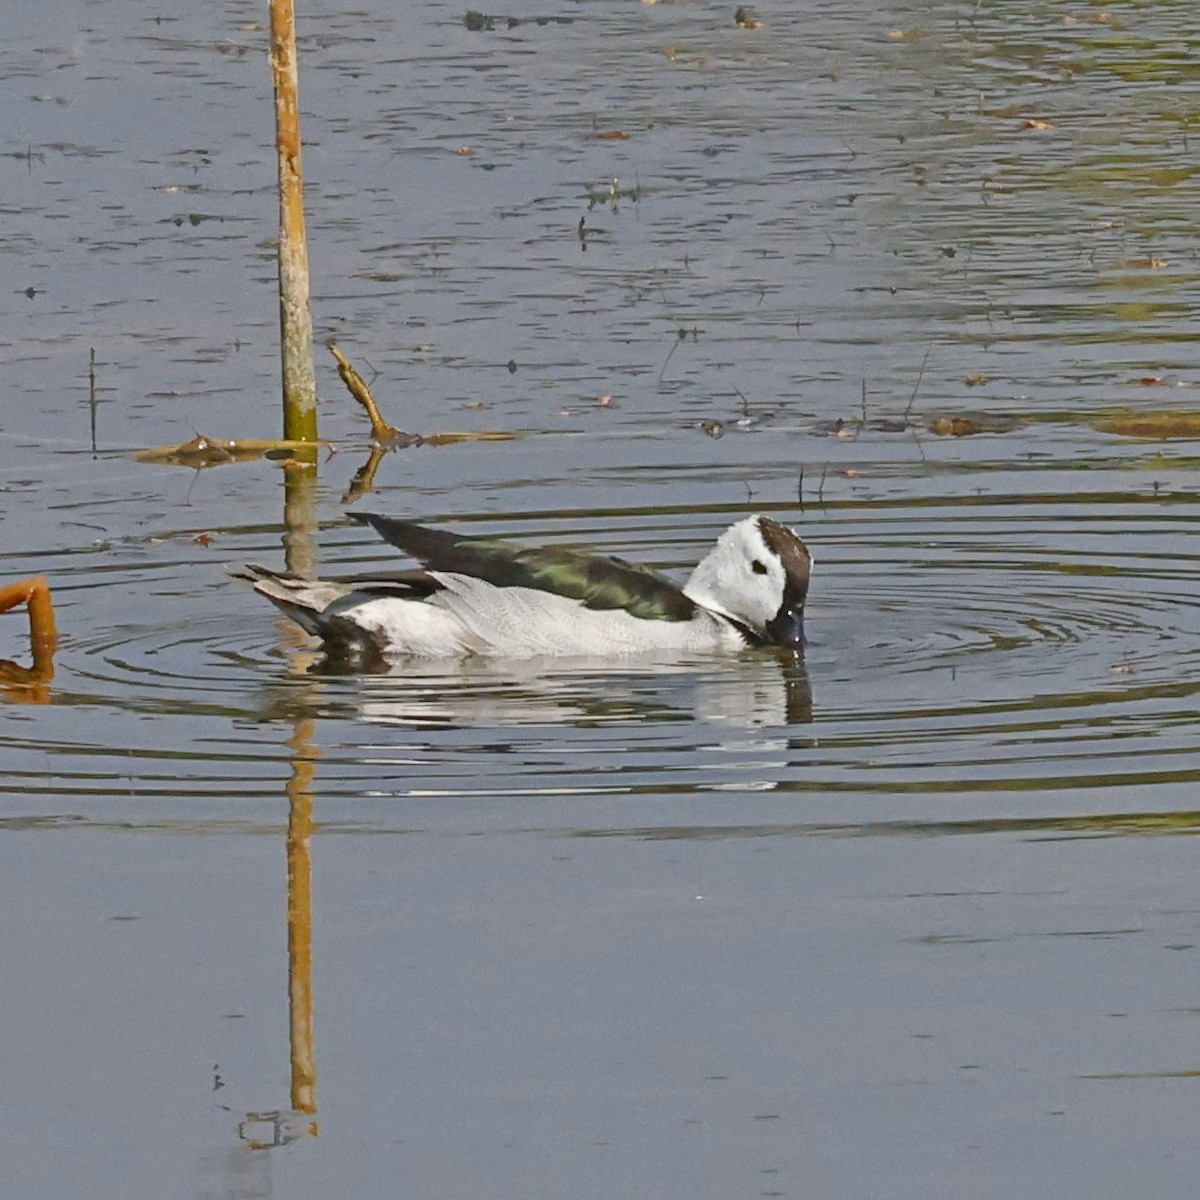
pixel 919 920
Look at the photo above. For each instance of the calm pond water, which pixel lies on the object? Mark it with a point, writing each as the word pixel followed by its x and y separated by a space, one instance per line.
pixel 916 919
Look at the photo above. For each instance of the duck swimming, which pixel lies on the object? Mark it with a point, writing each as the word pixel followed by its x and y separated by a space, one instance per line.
pixel 481 595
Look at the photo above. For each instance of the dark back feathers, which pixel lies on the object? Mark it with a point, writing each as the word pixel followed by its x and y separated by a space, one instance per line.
pixel 599 582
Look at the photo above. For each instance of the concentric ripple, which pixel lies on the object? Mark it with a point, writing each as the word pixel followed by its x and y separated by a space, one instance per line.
pixel 1043 645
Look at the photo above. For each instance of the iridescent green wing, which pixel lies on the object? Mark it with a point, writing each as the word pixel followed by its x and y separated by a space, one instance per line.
pixel 599 582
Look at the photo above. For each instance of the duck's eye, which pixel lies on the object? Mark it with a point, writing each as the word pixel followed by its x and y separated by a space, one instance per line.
pixel 758 568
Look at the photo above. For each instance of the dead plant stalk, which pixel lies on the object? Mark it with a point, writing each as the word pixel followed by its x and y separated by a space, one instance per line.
pixel 295 316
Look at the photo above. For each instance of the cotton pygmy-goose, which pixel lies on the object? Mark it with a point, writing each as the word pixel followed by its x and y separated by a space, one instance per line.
pixel 481 595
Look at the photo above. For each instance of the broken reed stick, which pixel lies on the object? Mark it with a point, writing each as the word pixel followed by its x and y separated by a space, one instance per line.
pixel 204 451
pixel 295 315
pixel 388 436
pixel 381 431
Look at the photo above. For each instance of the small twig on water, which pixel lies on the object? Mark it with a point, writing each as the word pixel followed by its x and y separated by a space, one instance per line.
pixel 917 386
pixel 745 405
pixel 92 394
pixel 680 335
pixel 911 401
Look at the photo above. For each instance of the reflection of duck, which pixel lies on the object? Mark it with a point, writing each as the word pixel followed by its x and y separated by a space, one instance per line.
pixel 483 596
pixel 763 691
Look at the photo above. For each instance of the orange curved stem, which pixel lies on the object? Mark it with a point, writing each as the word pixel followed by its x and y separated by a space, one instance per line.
pixel 34 593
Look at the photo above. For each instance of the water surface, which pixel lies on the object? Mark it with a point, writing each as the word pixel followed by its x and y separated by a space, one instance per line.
pixel 916 917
